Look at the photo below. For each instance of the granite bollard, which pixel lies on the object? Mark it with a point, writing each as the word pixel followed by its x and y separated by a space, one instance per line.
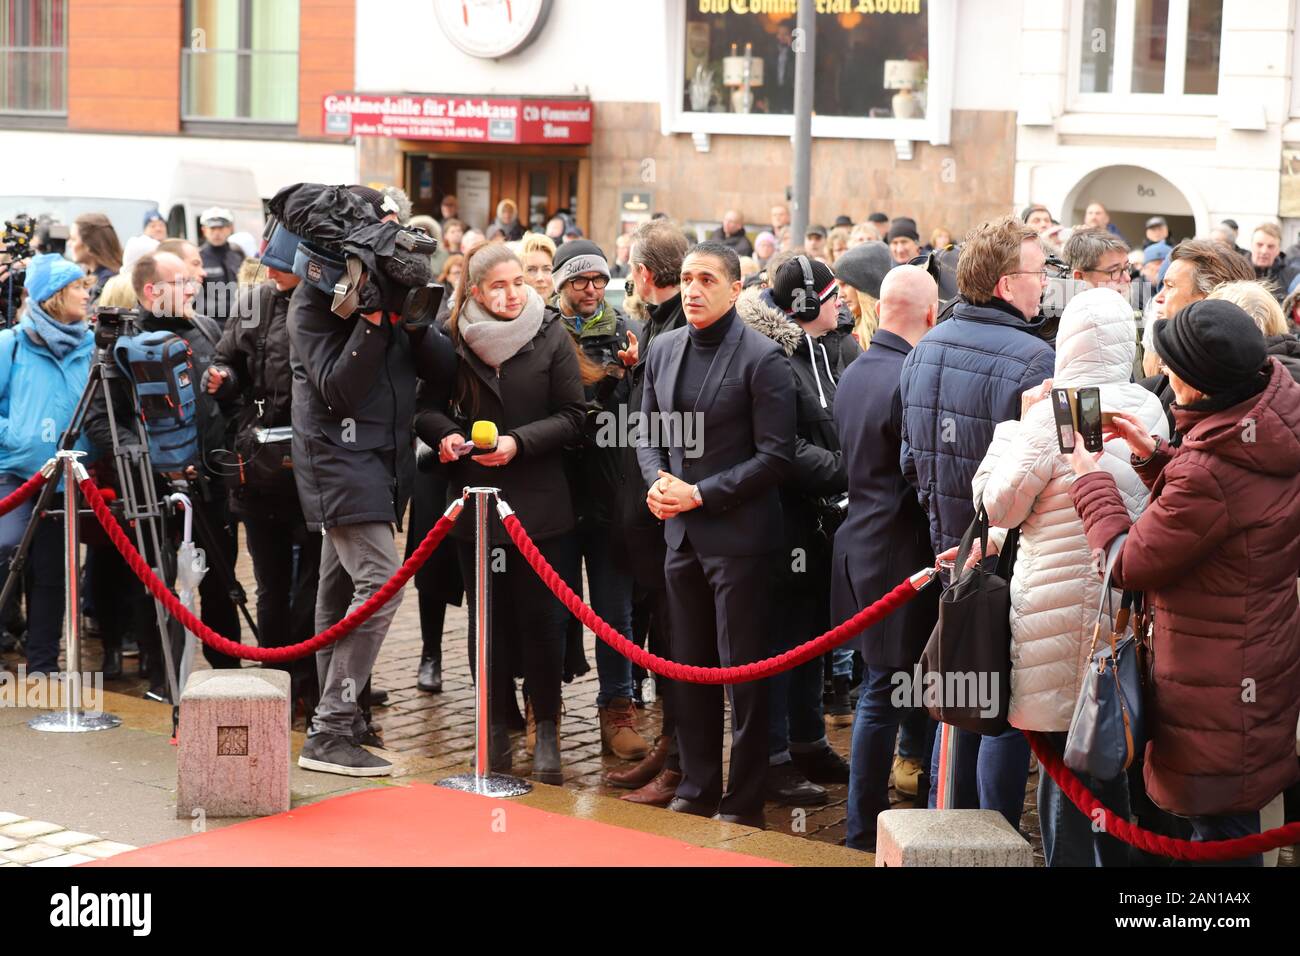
pixel 234 744
pixel 979 838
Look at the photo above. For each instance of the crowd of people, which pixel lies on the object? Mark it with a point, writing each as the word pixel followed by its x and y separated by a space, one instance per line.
pixel 841 405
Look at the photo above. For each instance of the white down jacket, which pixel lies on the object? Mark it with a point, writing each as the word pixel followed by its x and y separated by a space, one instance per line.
pixel 1025 480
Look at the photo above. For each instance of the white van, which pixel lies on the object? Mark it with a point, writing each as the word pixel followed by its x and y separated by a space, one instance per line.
pixel 193 188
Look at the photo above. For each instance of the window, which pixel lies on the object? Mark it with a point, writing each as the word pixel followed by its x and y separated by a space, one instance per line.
pixel 1150 47
pixel 1097 71
pixel 239 62
pixel 34 57
pixel 871 57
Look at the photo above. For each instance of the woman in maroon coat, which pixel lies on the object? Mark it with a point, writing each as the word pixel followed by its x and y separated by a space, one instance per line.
pixel 1216 551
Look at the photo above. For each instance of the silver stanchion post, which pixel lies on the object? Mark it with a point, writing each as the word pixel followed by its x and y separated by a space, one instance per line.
pixel 947 767
pixel 72 719
pixel 483 781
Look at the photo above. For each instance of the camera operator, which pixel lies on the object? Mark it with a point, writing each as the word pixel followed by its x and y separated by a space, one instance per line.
pixel 354 387
pixel 44 364
pixel 252 365
pixel 166 294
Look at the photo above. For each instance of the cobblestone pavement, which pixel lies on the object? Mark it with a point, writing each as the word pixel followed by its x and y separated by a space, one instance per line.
pixel 441 725
pixel 25 842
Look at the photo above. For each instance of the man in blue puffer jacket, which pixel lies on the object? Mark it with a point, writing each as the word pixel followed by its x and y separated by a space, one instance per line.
pixel 960 381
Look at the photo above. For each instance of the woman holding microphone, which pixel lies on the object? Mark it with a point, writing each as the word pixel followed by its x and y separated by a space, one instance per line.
pixel 520 371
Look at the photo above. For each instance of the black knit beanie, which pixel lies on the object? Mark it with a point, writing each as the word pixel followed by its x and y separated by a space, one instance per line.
pixel 1213 346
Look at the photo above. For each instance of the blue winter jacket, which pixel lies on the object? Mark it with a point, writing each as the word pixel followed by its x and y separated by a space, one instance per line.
pixel 38 394
pixel 959 382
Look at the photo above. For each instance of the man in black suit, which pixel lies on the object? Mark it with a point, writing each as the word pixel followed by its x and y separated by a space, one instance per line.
pixel 884 538
pixel 716 441
pixel 778 72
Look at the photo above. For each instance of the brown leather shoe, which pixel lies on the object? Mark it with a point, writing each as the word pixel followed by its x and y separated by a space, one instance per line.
pixel 618 730
pixel 638 775
pixel 659 792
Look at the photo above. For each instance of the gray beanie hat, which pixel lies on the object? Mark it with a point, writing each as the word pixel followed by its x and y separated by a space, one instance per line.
pixel 864 267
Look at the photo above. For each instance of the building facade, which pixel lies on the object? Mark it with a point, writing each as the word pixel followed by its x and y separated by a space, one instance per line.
pixel 915 114
pixel 1188 109
pixel 950 111
pixel 205 101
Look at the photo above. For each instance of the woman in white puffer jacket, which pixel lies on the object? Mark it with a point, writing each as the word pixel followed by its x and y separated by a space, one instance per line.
pixel 1024 481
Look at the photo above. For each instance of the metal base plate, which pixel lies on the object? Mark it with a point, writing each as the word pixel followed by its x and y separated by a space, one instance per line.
pixel 493 785
pixel 61 722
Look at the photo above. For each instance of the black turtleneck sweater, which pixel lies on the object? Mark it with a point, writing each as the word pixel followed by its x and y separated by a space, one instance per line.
pixel 701 349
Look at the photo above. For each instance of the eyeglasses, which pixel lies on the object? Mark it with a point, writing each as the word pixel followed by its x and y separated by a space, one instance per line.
pixel 1114 273
pixel 581 282
pixel 1043 274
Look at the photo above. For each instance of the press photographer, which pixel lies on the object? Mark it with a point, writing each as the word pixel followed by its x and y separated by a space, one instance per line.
pixel 360 333
pixel 166 296
pixel 252 367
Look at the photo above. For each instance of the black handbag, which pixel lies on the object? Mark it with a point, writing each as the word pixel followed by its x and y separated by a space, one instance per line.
pixel 1107 731
pixel 965 669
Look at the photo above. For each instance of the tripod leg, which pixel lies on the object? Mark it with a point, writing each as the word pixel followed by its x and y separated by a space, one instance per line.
pixel 208 541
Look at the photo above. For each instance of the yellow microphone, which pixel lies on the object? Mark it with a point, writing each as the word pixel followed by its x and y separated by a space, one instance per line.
pixel 484 437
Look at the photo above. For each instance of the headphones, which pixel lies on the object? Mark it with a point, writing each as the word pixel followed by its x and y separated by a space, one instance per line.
pixel 811 305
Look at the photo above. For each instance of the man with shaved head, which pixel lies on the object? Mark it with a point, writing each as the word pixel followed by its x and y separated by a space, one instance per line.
pixel 884 538
pixel 165 287
pixel 732 233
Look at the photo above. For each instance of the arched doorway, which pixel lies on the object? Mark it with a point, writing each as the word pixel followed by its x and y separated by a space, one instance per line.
pixel 1132 195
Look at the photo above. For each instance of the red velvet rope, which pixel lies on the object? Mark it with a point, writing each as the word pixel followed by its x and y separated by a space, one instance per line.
pixel 1118 827
pixel 1211 851
pixel 22 493
pixel 214 640
pixel 738 674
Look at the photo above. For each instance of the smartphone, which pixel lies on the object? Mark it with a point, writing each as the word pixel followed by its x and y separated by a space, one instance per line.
pixel 1089 401
pixel 1064 416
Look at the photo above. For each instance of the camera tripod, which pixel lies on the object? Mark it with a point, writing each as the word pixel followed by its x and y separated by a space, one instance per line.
pixel 140 505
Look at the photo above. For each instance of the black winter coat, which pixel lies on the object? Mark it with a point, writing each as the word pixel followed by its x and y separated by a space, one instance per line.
pixel 886 536
pixel 536 397
pixel 220 277
pixel 254 355
pixel 817 471
pixel 642 532
pixel 354 388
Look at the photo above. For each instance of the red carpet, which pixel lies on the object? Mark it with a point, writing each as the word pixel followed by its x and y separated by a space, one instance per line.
pixel 422 825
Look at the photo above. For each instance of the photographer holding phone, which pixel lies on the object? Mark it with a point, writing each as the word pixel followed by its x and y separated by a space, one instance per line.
pixel 1024 482
pixel 1216 552
pixel 596 474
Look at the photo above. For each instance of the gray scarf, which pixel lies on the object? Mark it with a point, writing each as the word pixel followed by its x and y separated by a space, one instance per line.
pixel 495 340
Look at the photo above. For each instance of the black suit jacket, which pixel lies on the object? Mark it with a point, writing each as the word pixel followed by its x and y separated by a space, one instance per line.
pixel 745 442
pixel 885 536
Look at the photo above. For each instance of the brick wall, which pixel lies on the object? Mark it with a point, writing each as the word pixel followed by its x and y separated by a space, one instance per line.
pixel 326 57
pixel 955 186
pixel 124 65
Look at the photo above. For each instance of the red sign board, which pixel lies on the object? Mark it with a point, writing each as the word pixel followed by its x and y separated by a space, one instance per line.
pixel 464 119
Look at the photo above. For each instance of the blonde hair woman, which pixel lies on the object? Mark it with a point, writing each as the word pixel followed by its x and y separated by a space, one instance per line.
pixel 118 294
pixel 1258 303
pixel 537 252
